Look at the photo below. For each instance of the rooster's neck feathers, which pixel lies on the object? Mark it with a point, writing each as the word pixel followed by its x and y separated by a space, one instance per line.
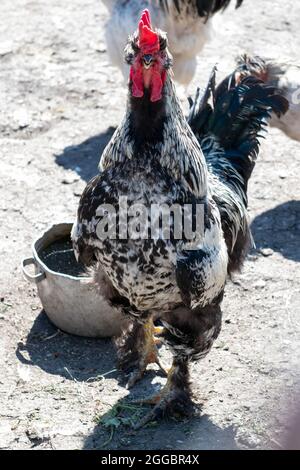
pixel 159 131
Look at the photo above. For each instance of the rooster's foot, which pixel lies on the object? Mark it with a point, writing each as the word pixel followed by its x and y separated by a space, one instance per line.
pixel 171 401
pixel 138 373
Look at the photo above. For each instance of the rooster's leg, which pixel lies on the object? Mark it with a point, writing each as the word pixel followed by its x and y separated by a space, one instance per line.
pixel 174 398
pixel 190 335
pixel 148 353
pixel 139 349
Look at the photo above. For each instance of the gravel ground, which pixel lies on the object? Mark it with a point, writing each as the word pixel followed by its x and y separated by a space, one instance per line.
pixel 59 100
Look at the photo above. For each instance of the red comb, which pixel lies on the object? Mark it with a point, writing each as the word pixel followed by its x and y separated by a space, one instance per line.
pixel 148 39
pixel 145 18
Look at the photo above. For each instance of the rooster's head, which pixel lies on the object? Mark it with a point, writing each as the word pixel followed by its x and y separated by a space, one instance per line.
pixel 149 59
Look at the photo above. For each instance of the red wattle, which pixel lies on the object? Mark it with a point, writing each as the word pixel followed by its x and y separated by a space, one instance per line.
pixel 157 83
pixel 136 77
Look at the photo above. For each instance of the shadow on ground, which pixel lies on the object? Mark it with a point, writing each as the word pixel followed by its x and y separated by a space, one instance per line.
pixel 71 357
pixel 279 229
pixel 196 433
pixel 84 158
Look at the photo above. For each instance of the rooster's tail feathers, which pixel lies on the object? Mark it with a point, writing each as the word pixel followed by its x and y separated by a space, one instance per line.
pixel 267 70
pixel 228 122
pixel 235 114
pixel 205 8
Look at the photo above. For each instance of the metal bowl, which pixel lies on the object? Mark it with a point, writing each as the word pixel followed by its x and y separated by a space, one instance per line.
pixel 70 302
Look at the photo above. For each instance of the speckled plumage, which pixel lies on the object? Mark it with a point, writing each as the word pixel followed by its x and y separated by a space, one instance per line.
pixel 144 271
pixel 159 170
pixel 155 157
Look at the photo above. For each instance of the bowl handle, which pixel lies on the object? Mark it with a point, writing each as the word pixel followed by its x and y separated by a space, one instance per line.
pixel 37 277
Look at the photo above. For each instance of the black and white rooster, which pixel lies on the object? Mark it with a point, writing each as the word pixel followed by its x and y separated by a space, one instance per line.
pixel 187 22
pixel 155 157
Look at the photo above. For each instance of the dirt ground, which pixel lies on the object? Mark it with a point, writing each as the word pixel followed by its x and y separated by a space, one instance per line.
pixel 59 99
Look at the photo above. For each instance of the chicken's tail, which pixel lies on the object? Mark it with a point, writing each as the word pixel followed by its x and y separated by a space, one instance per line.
pixel 228 122
pixel 204 8
pixel 233 115
pixel 267 70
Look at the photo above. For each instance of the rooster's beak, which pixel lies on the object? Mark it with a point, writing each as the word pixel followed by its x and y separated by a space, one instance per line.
pixel 147 60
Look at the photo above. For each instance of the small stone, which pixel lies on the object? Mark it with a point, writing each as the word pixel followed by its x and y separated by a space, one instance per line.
pixel 6 47
pixel 70 179
pixel 100 48
pixel 260 284
pixel 266 252
pixel 22 118
pixel 36 434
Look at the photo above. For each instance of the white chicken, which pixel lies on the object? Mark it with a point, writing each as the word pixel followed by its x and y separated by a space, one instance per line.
pixel 187 23
pixel 285 76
